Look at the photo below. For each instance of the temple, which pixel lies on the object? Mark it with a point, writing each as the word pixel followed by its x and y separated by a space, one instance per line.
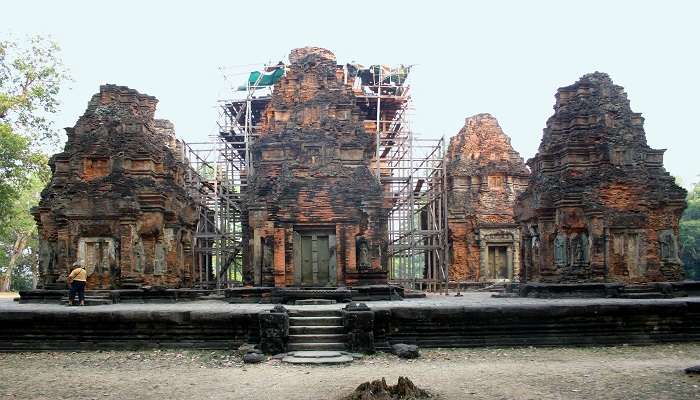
pixel 116 200
pixel 484 177
pixel 599 206
pixel 315 184
pixel 315 212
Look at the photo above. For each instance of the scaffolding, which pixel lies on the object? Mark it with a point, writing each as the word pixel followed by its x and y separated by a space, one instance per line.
pixel 214 179
pixel 411 170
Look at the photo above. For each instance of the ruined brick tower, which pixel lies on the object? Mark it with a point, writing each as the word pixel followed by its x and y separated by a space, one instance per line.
pixel 484 177
pixel 314 213
pixel 116 199
pixel 599 205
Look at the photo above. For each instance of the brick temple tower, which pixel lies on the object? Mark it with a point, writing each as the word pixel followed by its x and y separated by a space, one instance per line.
pixel 116 200
pixel 314 212
pixel 599 205
pixel 484 177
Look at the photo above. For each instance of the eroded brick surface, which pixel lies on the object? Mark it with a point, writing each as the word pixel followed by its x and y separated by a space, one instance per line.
pixel 311 175
pixel 484 175
pixel 116 199
pixel 599 205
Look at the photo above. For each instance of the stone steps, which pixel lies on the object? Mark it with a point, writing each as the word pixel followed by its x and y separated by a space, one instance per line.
pixel 638 289
pixel 317 357
pixel 315 321
pixel 302 312
pixel 641 292
pixel 318 338
pixel 316 330
pixel 643 295
pixel 90 300
pixel 314 302
pixel 315 346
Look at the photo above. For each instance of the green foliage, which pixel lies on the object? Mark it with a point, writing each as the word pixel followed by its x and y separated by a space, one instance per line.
pixel 693 210
pixel 24 274
pixel 206 171
pixel 19 220
pixel 690 234
pixel 31 76
pixel 19 227
pixel 18 166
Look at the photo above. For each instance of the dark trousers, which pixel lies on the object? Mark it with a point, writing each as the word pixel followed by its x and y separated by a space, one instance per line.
pixel 79 288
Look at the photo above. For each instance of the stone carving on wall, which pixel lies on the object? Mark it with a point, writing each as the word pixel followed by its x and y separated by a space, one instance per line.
pixel 363 258
pixel 582 249
pixel 560 256
pixel 159 263
pixel 667 244
pixel 267 254
pixel 139 255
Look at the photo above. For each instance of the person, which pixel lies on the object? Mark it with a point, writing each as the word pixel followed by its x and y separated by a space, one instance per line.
pixel 77 280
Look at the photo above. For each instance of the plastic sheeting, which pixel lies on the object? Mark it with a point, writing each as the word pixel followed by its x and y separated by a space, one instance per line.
pixel 265 78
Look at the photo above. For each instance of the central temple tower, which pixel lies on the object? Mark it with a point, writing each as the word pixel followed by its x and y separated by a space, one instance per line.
pixel 314 214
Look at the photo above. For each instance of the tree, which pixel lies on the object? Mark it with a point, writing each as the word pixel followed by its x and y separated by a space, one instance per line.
pixel 31 77
pixel 690 234
pixel 18 236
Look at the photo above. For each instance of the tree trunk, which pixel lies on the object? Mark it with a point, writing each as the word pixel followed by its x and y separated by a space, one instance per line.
pixel 35 276
pixel 4 282
pixel 17 249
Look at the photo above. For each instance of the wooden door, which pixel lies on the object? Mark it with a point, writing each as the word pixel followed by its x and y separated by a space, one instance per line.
pixel 498 262
pixel 315 260
pixel 501 263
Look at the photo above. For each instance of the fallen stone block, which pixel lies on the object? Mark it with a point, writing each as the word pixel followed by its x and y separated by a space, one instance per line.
pixel 253 358
pixel 694 370
pixel 405 350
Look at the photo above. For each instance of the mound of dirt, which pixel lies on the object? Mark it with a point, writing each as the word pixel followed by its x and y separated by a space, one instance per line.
pixel 379 390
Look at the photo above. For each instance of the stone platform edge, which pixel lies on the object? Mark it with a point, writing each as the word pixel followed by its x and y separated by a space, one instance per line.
pixel 623 322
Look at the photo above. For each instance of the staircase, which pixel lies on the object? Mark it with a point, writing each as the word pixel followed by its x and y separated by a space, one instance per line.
pixel 92 298
pixel 501 289
pixel 641 292
pixel 316 330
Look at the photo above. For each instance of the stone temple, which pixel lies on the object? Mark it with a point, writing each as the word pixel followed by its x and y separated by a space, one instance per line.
pixel 315 213
pixel 599 205
pixel 318 203
pixel 484 177
pixel 116 200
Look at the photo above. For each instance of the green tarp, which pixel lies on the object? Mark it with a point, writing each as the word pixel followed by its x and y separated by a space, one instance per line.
pixel 266 78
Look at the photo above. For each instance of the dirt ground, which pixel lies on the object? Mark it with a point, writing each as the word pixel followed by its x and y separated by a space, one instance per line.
pixel 625 372
pixel 8 295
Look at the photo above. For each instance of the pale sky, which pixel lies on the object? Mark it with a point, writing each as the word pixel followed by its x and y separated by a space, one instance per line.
pixel 506 58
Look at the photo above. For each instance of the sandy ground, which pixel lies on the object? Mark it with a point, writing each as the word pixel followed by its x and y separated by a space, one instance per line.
pixel 650 372
pixel 8 295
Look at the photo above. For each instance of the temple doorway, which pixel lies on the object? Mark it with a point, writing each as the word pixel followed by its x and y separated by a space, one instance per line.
pixel 498 265
pixel 315 259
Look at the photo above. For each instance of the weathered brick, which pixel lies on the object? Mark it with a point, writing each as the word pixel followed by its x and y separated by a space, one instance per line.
pixel 484 177
pixel 311 172
pixel 599 205
pixel 116 199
